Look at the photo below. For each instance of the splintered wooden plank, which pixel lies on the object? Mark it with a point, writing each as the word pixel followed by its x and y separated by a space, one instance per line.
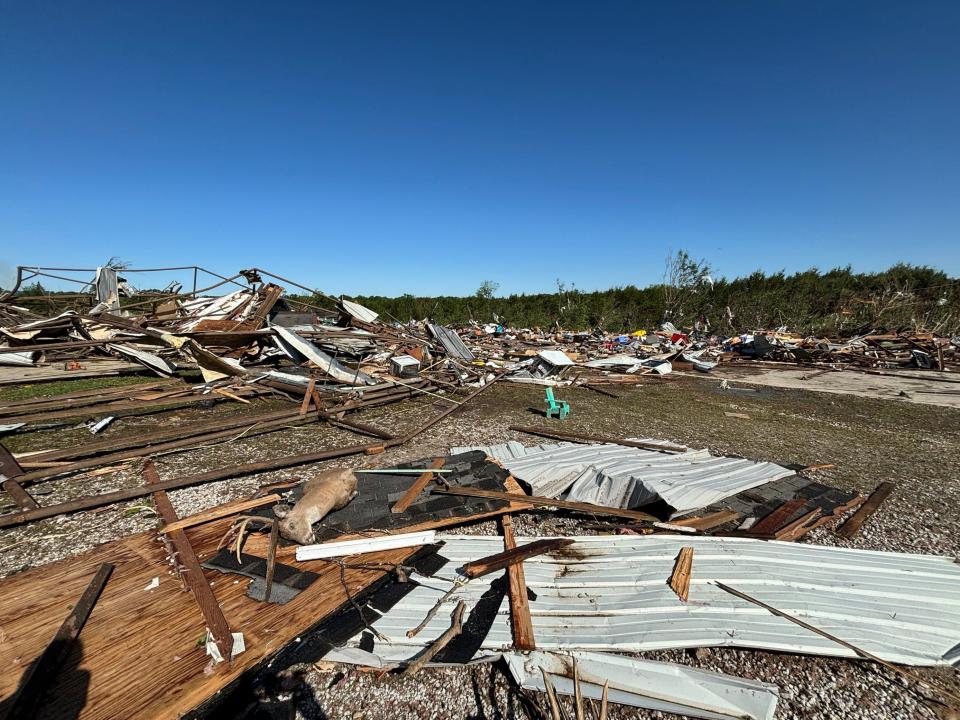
pixel 708 522
pixel 187 564
pixel 852 526
pixel 508 558
pixel 778 517
pixel 520 622
pixel 413 492
pixel 682 569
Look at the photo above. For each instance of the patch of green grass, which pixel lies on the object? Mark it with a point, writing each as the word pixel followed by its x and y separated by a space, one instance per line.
pixel 30 391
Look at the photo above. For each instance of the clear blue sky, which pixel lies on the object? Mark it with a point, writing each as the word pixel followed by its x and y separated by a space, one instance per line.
pixel 423 147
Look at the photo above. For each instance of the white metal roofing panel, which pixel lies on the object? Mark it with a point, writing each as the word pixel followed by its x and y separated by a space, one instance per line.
pixel 508 450
pixel 662 686
pixel 611 593
pixel 620 476
pixel 358 311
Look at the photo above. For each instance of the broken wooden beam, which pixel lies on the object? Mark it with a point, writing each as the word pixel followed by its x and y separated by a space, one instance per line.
pixel 778 517
pixel 215 513
pixel 852 526
pixel 521 624
pixel 37 678
pixel 537 501
pixel 582 438
pixel 413 492
pixel 507 558
pixel 187 565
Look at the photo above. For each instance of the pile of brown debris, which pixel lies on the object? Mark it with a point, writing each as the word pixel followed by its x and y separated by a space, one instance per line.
pixel 680 547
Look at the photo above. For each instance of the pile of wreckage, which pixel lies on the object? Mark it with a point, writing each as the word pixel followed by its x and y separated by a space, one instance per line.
pixel 675 547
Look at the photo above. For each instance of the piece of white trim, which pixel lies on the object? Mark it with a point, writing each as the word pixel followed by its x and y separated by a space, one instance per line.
pixel 365 545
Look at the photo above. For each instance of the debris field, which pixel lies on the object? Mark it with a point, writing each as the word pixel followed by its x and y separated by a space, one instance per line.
pixel 241 502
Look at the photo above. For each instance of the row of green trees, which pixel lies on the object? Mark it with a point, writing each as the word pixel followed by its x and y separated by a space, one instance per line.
pixel 904 297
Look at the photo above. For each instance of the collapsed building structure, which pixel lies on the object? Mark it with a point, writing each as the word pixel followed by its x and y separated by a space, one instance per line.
pixel 699 549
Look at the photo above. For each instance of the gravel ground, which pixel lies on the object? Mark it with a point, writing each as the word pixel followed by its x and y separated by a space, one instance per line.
pixel 868 440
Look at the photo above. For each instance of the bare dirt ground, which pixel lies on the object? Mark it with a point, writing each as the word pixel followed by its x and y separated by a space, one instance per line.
pixel 869 440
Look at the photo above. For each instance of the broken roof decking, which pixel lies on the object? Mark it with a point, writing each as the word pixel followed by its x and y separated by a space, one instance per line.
pixel 627 477
pixel 611 593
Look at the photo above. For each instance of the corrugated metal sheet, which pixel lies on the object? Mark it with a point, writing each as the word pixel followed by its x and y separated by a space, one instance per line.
pixel 508 450
pixel 666 687
pixel 619 476
pixel 611 593
pixel 451 342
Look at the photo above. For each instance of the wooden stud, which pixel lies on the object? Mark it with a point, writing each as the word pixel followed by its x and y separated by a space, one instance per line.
pixel 307 397
pixel 508 558
pixel 520 621
pixel 271 558
pixel 191 574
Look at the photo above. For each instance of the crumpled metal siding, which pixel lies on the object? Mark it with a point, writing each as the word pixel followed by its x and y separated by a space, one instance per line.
pixel 662 686
pixel 451 342
pixel 611 593
pixel 619 476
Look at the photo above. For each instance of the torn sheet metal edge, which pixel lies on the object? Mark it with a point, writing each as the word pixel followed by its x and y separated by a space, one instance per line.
pixel 364 314
pixel 294 345
pixel 648 684
pixel 28 358
pixel 153 362
pixel 365 545
pixel 611 593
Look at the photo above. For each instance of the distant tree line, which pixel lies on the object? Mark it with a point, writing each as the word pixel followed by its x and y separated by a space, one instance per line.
pixel 839 301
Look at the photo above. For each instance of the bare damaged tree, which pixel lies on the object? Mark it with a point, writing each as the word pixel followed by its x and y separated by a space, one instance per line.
pixel 683 277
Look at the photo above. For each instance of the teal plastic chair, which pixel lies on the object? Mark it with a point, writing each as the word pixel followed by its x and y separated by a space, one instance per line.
pixel 556 408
